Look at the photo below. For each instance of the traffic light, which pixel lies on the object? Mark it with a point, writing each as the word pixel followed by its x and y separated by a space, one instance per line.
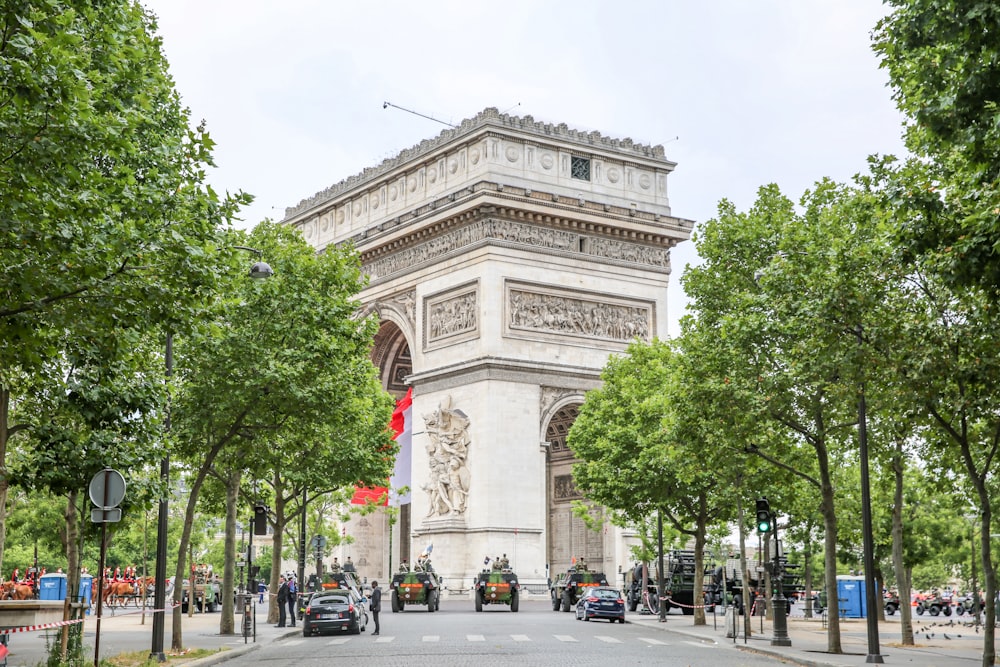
pixel 260 519
pixel 764 515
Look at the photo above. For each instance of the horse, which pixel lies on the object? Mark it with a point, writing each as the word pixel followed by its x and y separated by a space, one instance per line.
pixel 13 591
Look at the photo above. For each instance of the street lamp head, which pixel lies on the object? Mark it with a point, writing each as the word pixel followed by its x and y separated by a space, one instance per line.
pixel 261 271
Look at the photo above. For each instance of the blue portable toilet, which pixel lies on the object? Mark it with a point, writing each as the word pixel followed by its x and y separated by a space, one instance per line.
pixel 851 596
pixel 52 586
pixel 86 589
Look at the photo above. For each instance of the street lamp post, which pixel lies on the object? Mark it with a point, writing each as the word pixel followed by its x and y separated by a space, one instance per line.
pixel 871 617
pixel 259 271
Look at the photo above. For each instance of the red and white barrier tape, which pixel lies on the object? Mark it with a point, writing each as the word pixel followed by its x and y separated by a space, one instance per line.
pixel 59 624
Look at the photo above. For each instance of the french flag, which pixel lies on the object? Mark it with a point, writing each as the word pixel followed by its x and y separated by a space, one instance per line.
pixel 402 426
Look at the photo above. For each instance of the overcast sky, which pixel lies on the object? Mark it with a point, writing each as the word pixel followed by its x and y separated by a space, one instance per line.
pixel 740 93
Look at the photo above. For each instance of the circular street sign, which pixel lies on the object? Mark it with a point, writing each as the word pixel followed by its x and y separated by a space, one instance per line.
pixel 107 488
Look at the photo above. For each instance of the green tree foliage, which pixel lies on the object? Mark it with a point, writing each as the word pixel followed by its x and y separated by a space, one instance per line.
pixel 943 60
pixel 106 225
pixel 279 382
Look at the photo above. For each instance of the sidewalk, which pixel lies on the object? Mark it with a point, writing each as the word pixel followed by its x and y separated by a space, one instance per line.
pixel 937 642
pixel 125 631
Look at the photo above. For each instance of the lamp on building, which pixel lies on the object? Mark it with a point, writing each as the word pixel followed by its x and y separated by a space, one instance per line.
pixel 259 271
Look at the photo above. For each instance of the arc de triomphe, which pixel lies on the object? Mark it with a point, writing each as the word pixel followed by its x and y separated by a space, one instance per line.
pixel 508 258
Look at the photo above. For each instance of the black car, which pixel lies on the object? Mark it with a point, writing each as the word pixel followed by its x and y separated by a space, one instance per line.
pixel 334 611
pixel 601 602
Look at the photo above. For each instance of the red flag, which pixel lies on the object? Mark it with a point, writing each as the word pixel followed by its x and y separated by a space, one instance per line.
pixel 379 495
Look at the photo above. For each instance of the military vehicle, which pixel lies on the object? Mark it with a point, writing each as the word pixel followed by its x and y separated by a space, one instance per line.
pixel 638 595
pixel 497 587
pixel 207 592
pixel 342 579
pixel 415 588
pixel 730 579
pixel 680 580
pixel 570 586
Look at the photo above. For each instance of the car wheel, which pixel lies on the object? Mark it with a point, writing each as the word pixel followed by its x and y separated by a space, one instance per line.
pixel 935 610
pixel 514 600
pixel 479 601
pixel 622 619
pixel 395 601
pixel 555 602
pixel 566 601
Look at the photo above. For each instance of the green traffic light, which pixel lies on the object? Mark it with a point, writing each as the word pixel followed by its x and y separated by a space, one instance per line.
pixel 764 526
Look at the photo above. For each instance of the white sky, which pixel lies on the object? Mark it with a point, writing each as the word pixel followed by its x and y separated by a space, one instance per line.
pixel 782 91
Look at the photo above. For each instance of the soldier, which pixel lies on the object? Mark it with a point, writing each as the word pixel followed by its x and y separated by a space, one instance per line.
pixel 403 566
pixel 349 566
pixel 504 563
pixel 496 564
pixel 335 566
pixel 581 564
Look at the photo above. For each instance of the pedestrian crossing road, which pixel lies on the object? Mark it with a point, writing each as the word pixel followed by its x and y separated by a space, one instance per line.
pixel 474 638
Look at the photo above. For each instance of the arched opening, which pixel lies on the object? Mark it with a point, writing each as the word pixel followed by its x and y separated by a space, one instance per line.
pixel 391 355
pixel 568 536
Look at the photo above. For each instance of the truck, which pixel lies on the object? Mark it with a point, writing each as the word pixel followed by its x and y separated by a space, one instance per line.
pixel 679 582
pixel 207 592
pixel 497 587
pixel 569 587
pixel 728 581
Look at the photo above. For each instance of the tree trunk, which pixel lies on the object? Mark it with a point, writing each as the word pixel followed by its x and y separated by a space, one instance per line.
pixel 807 567
pixel 902 574
pixel 72 568
pixel 698 597
pixel 176 635
pixel 4 484
pixel 277 543
pixel 833 644
pixel 227 624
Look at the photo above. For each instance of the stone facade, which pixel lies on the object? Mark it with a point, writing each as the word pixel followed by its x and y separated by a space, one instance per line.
pixel 507 259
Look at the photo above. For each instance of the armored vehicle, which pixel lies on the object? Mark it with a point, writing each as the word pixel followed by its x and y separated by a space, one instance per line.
pixel 570 586
pixel 497 587
pixel 342 579
pixel 415 588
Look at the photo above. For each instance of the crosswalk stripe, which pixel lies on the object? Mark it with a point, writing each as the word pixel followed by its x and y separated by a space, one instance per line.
pixel 655 642
pixel 699 644
pixel 294 642
pixel 608 640
pixel 520 638
pixel 432 638
pixel 475 638
pixel 384 640
pixel 338 641
pixel 565 638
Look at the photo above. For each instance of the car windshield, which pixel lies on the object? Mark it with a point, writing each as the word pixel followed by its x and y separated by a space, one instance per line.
pixel 330 599
pixel 605 593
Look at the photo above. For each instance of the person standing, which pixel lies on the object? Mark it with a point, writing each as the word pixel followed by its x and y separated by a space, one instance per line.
pixel 376 604
pixel 282 600
pixel 293 599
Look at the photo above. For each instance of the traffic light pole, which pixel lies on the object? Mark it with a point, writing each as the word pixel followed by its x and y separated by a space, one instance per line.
pixel 781 637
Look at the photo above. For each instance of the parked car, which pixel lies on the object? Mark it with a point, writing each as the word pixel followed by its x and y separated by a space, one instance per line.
pixel 335 611
pixel 601 602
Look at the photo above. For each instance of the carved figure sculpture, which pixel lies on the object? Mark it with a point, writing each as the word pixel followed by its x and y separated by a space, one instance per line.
pixel 447 450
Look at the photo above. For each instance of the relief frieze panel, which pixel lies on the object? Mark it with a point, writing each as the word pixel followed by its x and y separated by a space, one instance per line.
pixel 559 312
pixel 452 316
pixel 491 229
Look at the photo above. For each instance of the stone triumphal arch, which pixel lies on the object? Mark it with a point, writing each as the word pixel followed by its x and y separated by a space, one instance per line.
pixel 508 258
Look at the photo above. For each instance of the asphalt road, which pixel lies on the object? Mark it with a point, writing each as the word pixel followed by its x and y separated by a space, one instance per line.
pixel 535 635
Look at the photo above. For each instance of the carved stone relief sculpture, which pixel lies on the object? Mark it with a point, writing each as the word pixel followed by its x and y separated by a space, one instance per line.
pixel 561 314
pixel 448 479
pixel 451 316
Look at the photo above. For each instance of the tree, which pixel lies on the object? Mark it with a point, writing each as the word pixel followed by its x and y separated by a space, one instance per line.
pixel 280 379
pixel 644 446
pixel 943 61
pixel 106 224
